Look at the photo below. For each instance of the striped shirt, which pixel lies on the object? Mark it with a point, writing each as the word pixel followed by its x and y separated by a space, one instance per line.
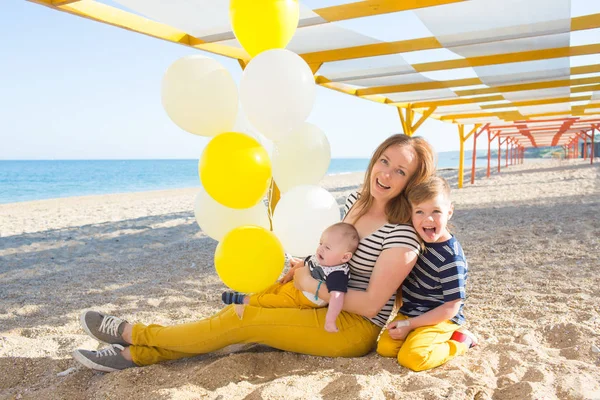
pixel 438 277
pixel 369 248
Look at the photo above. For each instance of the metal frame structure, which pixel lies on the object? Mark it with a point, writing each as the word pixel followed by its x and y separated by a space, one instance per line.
pixel 520 85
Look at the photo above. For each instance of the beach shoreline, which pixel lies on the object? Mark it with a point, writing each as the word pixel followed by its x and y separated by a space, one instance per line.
pixel 531 235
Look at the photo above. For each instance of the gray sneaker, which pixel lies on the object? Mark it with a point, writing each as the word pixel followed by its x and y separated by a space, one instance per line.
pixel 103 328
pixel 105 360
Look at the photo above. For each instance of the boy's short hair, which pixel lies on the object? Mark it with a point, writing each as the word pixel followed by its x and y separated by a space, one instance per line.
pixel 348 232
pixel 429 189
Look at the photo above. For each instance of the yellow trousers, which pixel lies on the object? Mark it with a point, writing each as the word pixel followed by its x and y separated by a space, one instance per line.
pixel 282 296
pixel 424 348
pixel 289 329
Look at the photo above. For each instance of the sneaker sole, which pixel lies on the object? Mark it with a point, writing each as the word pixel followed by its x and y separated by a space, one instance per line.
pixel 90 364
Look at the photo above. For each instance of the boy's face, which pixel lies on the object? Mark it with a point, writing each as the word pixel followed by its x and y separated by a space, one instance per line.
pixel 430 219
pixel 333 249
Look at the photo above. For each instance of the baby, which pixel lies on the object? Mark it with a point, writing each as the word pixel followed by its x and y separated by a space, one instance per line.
pixel 328 265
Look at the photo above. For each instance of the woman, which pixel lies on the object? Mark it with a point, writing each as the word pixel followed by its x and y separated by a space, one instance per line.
pixel 387 251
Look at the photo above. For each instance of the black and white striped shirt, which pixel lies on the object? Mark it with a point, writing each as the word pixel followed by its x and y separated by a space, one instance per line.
pixel 369 249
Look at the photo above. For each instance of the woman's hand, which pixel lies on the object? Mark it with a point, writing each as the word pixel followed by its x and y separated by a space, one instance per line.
pixel 294 265
pixel 302 278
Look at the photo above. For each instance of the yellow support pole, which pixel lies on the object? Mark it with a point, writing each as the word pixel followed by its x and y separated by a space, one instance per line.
pixel 410 114
pixel 425 115
pixel 461 160
pixel 402 121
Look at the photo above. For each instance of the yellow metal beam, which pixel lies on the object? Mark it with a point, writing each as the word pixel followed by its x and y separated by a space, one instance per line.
pixel 59 3
pixel 498 59
pixel 425 115
pixel 477 126
pixel 453 102
pixel 403 46
pixel 402 120
pixel 535 102
pixel 410 87
pixel 529 86
pixel 126 20
pixel 374 7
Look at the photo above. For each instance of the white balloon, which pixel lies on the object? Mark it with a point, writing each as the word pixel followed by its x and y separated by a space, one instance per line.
pixel 216 220
pixel 302 158
pixel 200 96
pixel 277 92
pixel 301 216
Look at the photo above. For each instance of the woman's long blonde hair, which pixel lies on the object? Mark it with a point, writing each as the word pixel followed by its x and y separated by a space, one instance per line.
pixel 398 210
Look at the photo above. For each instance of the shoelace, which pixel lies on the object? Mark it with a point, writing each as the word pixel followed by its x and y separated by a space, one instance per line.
pixel 110 325
pixel 109 351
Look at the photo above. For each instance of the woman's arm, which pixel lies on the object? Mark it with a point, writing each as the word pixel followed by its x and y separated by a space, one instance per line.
pixel 392 266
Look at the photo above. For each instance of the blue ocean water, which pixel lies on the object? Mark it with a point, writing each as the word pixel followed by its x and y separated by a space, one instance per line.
pixel 37 180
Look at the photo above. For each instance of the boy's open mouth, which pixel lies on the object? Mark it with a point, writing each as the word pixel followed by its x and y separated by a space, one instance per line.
pixel 429 232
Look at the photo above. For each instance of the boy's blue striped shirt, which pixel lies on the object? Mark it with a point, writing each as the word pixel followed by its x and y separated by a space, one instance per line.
pixel 438 277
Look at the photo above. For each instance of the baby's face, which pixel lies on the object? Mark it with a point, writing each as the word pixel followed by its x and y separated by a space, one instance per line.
pixel 332 249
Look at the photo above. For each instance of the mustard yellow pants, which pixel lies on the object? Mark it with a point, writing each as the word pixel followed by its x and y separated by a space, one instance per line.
pixel 424 348
pixel 282 296
pixel 289 329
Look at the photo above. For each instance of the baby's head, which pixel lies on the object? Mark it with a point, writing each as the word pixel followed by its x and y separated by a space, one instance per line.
pixel 337 244
pixel 431 209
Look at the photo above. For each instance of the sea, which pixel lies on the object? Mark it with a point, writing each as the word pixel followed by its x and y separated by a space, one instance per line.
pixel 27 180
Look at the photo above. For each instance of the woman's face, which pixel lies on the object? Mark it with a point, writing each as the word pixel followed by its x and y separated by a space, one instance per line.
pixel 392 171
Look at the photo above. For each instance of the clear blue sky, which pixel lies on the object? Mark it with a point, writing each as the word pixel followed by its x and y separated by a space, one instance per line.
pixel 72 88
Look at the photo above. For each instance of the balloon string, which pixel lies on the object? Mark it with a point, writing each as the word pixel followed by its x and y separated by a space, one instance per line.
pixel 272 197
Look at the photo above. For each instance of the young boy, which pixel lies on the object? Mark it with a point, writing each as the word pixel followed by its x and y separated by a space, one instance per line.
pixel 427 331
pixel 328 265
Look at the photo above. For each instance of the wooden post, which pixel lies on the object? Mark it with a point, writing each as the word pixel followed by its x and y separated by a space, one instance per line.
pixel 584 145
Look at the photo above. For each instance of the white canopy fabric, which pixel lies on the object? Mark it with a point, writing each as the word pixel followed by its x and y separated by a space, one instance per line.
pixel 497 62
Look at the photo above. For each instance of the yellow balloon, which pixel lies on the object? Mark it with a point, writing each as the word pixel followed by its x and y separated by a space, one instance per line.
pixel 235 170
pixel 261 25
pixel 249 259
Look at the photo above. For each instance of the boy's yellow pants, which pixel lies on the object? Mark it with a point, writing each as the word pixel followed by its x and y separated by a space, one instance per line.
pixel 282 296
pixel 290 329
pixel 424 348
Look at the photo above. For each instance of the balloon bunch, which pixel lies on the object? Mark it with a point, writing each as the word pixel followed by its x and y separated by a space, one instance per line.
pixel 277 92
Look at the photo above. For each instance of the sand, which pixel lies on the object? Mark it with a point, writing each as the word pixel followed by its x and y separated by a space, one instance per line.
pixel 531 235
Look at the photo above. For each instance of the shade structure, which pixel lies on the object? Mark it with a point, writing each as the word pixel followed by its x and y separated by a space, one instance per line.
pixel 528 69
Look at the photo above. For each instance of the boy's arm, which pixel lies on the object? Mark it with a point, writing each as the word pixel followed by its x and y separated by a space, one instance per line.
pixel 336 301
pixel 439 314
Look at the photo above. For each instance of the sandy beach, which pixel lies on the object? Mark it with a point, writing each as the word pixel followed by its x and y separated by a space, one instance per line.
pixel 531 235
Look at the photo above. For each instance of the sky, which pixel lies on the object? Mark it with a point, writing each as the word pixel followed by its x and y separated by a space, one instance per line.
pixel 71 88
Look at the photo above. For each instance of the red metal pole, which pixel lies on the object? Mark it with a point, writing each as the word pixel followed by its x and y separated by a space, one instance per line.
pixel 506 165
pixel 489 151
pixel 499 151
pixel 592 152
pixel 474 157
pixel 584 146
